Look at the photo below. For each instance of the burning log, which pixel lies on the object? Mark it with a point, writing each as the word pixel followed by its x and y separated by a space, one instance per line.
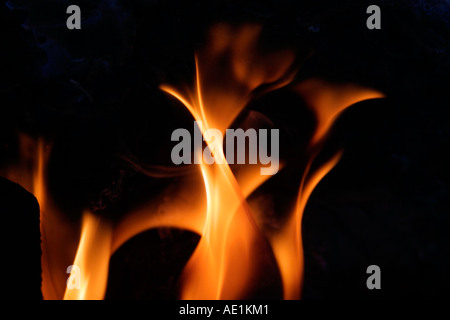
pixel 21 262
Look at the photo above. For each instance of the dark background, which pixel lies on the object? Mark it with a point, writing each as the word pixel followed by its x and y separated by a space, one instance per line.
pixel 94 92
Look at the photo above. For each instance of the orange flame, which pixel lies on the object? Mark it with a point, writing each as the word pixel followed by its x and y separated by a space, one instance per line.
pixel 57 242
pixel 287 243
pixel 92 259
pixel 327 101
pixel 213 200
pixel 57 234
pixel 224 263
pixel 58 237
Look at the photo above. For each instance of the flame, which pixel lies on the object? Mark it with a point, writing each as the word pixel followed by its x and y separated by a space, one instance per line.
pixel 212 200
pixel 39 191
pixel 92 259
pixel 287 243
pixel 224 264
pixel 228 70
pixel 179 206
pixel 57 234
pixel 30 173
pixel 59 238
pixel 327 101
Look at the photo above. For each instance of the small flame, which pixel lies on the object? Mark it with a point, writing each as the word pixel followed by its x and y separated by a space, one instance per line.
pixel 92 259
pixel 38 179
pixel 327 100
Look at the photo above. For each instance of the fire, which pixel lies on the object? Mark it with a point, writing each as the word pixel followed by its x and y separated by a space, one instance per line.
pixel 287 242
pixel 57 234
pixel 225 261
pixel 210 200
pixel 327 101
pixel 204 272
pixel 92 259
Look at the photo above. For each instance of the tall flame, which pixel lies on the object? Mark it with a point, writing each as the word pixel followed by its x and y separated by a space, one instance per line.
pixel 225 250
pixel 327 101
pixel 224 263
pixel 58 235
pixel 56 232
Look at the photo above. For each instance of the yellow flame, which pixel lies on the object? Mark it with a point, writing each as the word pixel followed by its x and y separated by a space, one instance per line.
pixel 179 206
pixel 57 234
pixel 92 259
pixel 222 265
